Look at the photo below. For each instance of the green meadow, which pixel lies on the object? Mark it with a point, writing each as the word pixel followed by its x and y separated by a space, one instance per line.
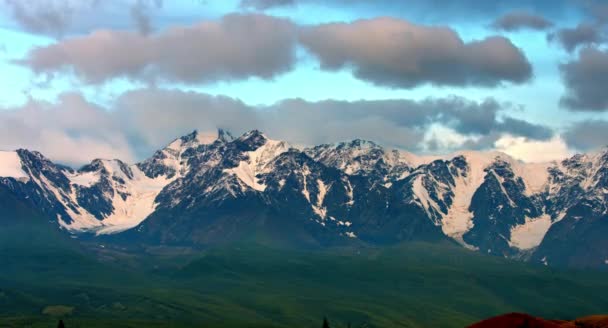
pixel 45 277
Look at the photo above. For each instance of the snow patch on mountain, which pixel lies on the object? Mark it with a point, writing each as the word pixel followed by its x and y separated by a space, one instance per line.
pixel 305 173
pixel 140 203
pixel 349 193
pixel 535 175
pixel 11 166
pixel 132 196
pixel 258 162
pixel 423 197
pixel 530 234
pixel 85 179
pixel 459 220
pixel 319 209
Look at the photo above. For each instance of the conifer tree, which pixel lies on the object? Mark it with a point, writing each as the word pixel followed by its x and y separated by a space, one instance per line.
pixel 325 323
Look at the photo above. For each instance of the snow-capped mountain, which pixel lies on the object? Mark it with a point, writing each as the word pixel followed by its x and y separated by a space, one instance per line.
pixel 203 189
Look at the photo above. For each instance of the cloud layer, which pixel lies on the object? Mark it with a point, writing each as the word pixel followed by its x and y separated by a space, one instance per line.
pixel 583 34
pixel 71 130
pixel 517 20
pixel 384 51
pixel 74 131
pixel 236 47
pixel 399 54
pixel 57 18
pixel 585 79
pixel 587 135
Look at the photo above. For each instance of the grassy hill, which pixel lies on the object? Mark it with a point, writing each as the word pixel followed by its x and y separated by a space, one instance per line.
pixel 412 285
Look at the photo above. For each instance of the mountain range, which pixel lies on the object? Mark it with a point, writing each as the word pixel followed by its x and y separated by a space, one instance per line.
pixel 206 189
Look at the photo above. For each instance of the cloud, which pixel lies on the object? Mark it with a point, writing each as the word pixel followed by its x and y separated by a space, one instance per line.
pixel 384 51
pixel 533 151
pixel 74 131
pixel 398 54
pixel 49 17
pixel 153 117
pixel 585 79
pixel 141 16
pixel 57 18
pixel 523 128
pixel 587 135
pixel 71 130
pixel 517 20
pixel 583 34
pixel 236 47
pixel 597 9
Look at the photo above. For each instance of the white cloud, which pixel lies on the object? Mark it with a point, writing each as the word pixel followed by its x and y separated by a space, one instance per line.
pixel 71 130
pixel 533 151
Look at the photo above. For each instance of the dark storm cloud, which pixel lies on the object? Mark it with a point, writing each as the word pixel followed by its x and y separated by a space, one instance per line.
pixel 236 47
pixel 585 79
pixel 517 20
pixel 583 34
pixel 399 54
pixel 587 135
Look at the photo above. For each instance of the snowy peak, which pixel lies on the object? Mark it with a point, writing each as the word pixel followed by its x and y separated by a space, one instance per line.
pixel 112 168
pixel 11 166
pixel 172 160
pixel 259 152
pixel 196 138
pixel 359 157
pixel 251 140
pixel 486 201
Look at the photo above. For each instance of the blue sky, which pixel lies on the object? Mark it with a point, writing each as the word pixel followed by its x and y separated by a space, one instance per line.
pixel 31 80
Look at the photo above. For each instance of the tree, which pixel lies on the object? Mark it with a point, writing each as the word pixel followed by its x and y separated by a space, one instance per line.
pixel 60 325
pixel 325 323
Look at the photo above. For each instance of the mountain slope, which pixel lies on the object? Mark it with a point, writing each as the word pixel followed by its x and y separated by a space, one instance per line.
pixel 203 189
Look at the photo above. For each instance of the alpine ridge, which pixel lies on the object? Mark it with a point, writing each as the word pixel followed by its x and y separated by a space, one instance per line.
pixel 203 189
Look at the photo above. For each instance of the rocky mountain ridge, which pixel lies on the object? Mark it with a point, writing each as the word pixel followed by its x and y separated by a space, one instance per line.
pixel 203 189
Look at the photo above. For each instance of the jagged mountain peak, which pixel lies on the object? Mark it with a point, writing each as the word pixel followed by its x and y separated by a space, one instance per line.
pixel 355 189
pixel 358 143
pixel 196 138
pixel 252 140
pixel 360 157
